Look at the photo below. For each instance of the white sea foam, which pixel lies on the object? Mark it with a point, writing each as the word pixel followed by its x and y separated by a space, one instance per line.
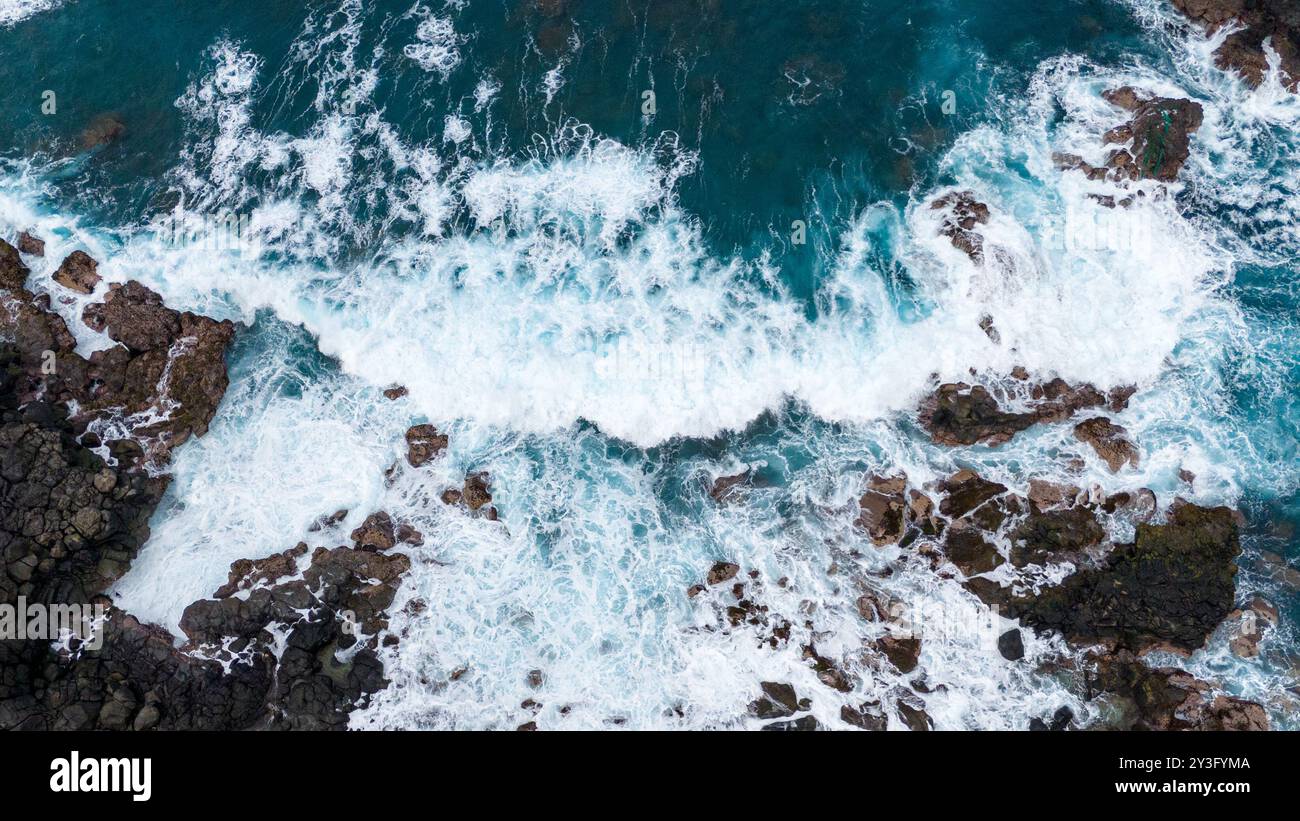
pixel 14 11
pixel 534 291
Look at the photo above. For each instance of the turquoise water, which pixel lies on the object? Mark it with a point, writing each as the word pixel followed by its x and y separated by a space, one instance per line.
pixel 606 308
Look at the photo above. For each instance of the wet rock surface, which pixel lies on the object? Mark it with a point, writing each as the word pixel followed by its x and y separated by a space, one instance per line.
pixel 78 273
pixel 962 212
pixel 1276 22
pixel 1171 586
pixel 285 643
pixel 958 413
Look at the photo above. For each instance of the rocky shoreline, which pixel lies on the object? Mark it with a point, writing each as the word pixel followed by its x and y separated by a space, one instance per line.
pixel 84 445
pixel 294 640
pixel 79 493
pixel 1255 24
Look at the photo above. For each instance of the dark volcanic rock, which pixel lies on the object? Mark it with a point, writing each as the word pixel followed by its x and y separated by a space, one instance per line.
pixel 721 572
pixel 1160 132
pixel 70 524
pixel 170 375
pixel 1274 21
pixel 962 213
pixel 965 491
pixel 13 273
pixel 961 414
pixel 779 700
pixel 1167 698
pixel 867 716
pixel 423 442
pixel 375 533
pixel 967 548
pixel 1011 645
pixel 78 273
pixel 903 652
pixel 958 414
pixel 1055 536
pixel 31 245
pixel 882 508
pixel 1109 441
pixel 1172 586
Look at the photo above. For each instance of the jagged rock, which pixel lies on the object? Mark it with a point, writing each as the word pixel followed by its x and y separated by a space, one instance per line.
pixel 904 652
pixel 961 414
pixel 1060 721
pixel 476 493
pixel 1109 441
pixel 171 372
pixel 965 491
pixel 827 671
pixel 1171 587
pixel 375 533
pixel 721 572
pixel 1045 496
pixel 1011 645
pixel 1160 128
pixel 1055 535
pixel 78 272
pixel 407 534
pixel 1276 22
pixel 882 507
pixel 1167 698
pixel 867 716
pixel 13 273
pixel 1139 504
pixel 247 573
pixel 31 245
pixel 779 700
pixel 423 442
pixel 966 547
pixel 802 724
pixel 396 392
pixel 962 213
pixel 912 711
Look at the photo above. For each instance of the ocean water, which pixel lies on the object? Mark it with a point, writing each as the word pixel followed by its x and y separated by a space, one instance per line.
pixel 605 307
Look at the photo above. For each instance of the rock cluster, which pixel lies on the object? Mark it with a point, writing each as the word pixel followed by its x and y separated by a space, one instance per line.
pixel 280 645
pixel 1275 22
pixel 961 414
pixel 961 213
pixel 139 399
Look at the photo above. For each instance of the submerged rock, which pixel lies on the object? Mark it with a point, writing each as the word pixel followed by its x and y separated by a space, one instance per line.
pixel 726 488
